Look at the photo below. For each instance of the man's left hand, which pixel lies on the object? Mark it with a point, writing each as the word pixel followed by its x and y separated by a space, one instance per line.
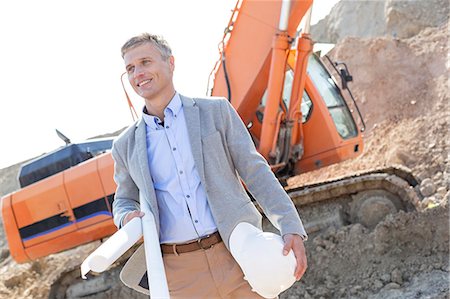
pixel 295 242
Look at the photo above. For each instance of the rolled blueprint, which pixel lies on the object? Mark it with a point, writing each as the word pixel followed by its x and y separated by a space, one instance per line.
pixel 157 280
pixel 105 255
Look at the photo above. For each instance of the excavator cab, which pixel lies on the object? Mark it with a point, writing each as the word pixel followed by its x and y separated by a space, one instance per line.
pixel 328 124
pixel 330 131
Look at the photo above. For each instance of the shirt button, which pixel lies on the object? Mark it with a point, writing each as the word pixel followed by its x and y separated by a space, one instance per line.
pixel 181 171
pixel 188 196
pixel 167 127
pixel 174 149
pixel 196 221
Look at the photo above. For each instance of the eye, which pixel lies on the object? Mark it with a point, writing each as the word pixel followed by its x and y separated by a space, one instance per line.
pixel 130 69
pixel 146 61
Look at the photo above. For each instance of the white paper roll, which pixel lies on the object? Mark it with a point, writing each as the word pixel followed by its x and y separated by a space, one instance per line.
pixel 105 255
pixel 157 280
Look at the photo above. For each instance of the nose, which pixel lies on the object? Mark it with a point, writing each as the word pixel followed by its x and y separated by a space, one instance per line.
pixel 137 72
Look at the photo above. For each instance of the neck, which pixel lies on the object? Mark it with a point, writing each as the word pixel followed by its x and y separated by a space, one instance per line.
pixel 156 106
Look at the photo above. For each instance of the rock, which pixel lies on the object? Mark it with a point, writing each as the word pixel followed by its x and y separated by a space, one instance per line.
pixel 330 285
pixel 428 202
pixel 441 191
pixel 446 197
pixel 354 290
pixel 307 296
pixel 12 282
pixel 427 187
pixel 4 253
pixel 321 291
pixel 426 181
pixel 438 176
pixel 385 277
pixel 396 276
pixel 342 291
pixel 377 284
pixel 392 286
pixel 357 229
pixel 405 156
pixel 422 175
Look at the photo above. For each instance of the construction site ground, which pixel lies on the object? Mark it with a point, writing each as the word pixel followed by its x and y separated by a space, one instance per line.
pixel 402 87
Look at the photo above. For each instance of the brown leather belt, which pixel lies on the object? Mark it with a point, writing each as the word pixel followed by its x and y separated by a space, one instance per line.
pixel 204 243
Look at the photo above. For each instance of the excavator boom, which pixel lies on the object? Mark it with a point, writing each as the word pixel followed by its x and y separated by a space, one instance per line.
pixel 242 72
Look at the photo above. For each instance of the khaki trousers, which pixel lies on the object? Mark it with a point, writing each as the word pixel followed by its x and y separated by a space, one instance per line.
pixel 211 273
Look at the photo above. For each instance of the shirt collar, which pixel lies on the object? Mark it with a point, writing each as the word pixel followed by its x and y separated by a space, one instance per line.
pixel 172 109
pixel 174 105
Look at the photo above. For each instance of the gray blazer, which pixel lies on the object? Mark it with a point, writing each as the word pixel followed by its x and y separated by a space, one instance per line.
pixel 223 154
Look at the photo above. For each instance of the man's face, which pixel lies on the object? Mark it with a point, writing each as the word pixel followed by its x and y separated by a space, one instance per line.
pixel 148 72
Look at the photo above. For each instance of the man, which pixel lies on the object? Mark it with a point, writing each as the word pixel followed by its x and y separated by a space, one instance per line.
pixel 186 158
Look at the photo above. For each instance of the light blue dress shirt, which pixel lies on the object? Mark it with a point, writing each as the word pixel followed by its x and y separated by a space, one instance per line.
pixel 182 201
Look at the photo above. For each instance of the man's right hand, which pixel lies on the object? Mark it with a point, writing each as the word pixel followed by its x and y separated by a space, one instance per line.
pixel 132 215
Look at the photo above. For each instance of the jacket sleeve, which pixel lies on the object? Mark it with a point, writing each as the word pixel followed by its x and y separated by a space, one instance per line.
pixel 257 175
pixel 126 198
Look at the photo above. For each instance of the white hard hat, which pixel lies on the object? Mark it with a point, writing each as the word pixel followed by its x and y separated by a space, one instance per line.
pixel 260 256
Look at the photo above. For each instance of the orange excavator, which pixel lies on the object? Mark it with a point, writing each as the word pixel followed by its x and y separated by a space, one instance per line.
pixel 297 115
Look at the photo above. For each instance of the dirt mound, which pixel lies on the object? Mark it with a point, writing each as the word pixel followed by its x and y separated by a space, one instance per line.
pixel 405 256
pixel 397 79
pixel 401 87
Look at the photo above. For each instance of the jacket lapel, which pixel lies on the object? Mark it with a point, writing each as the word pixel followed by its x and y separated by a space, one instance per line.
pixel 141 146
pixel 192 116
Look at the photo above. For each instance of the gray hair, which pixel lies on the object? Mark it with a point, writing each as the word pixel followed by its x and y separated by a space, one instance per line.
pixel 158 41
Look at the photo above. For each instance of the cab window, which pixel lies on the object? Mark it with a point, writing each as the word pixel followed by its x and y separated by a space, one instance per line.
pixel 330 93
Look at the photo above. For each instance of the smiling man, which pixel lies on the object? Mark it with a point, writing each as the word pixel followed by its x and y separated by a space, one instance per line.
pixel 187 157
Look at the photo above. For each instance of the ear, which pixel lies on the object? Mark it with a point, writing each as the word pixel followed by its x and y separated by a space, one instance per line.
pixel 172 63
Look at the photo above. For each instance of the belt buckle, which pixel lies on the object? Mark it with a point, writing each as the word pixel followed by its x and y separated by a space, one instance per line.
pixel 199 241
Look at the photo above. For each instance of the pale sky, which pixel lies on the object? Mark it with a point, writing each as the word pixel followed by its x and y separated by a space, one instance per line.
pixel 61 63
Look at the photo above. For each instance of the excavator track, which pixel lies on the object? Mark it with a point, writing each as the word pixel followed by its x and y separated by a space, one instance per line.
pixel 365 197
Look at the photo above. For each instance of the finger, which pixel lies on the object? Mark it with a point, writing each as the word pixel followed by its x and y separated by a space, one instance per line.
pixel 137 214
pixel 132 215
pixel 300 274
pixel 299 251
pixel 287 246
pixel 301 268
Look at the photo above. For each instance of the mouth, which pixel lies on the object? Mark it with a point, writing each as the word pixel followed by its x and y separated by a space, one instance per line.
pixel 144 82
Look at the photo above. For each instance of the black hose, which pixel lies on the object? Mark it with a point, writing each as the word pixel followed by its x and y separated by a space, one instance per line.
pixel 227 79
